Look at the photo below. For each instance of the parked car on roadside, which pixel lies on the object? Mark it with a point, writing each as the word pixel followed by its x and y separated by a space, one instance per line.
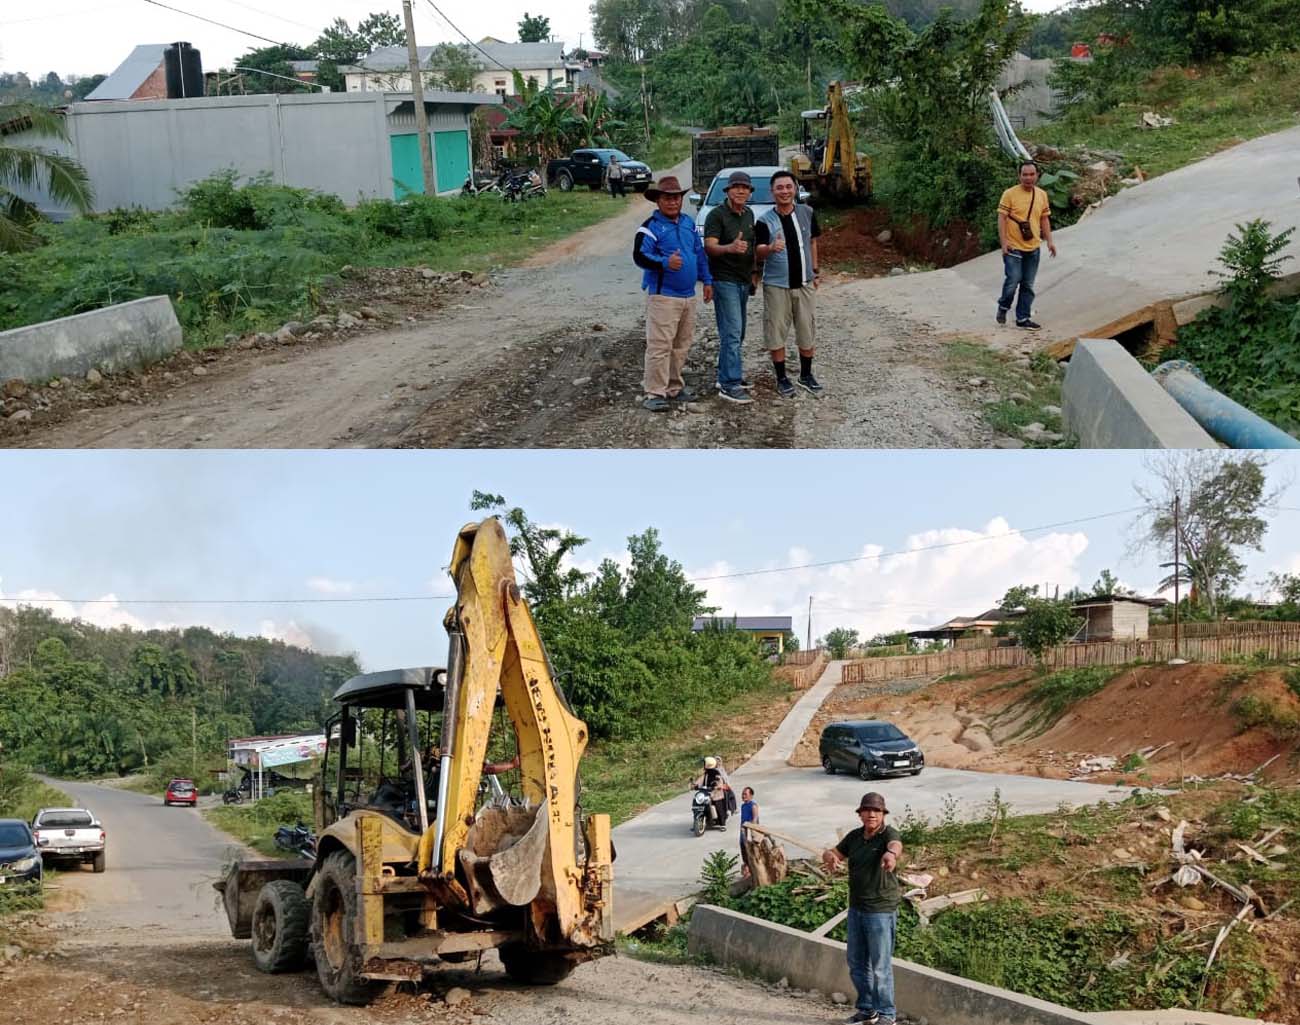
pixel 869 748
pixel 70 834
pixel 760 200
pixel 587 167
pixel 20 861
pixel 181 791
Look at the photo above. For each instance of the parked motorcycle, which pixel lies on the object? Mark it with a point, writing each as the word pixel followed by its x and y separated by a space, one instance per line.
pixel 479 184
pixel 233 796
pixel 299 839
pixel 522 185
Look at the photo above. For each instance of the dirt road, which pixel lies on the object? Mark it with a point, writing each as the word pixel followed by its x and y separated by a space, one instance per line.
pixel 145 944
pixel 549 355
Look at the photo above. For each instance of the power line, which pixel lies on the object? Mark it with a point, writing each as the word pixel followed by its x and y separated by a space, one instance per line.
pixel 721 576
pixel 913 551
pixel 219 24
pixel 228 601
pixel 467 38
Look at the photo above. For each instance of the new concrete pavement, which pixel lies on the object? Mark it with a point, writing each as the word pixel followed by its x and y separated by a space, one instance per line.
pixel 659 859
pixel 1156 241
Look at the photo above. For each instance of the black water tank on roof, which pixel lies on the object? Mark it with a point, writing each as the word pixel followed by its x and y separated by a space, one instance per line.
pixel 184 71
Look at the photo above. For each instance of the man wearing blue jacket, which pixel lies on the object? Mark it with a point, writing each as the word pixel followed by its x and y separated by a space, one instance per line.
pixel 669 250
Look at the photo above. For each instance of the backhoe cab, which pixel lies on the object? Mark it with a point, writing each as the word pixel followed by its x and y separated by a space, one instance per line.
pixel 828 163
pixel 427 851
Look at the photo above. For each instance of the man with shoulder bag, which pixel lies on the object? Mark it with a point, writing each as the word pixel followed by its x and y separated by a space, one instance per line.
pixel 1024 224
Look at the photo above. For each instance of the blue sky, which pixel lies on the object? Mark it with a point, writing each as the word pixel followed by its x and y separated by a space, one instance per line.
pixel 85 37
pixel 266 525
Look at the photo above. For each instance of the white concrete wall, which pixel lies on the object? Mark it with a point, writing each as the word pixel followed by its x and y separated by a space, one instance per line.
pixel 139 153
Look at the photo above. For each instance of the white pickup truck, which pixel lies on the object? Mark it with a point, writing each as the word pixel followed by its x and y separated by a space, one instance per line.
pixel 71 834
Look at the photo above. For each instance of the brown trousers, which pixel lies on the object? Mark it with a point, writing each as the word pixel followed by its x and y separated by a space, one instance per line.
pixel 669 331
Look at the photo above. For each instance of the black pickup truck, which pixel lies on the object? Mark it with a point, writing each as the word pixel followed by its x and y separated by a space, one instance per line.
pixel 587 167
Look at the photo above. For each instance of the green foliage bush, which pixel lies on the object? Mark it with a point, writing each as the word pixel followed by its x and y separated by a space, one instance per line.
pixel 22 794
pixel 1253 710
pixel 1056 693
pixel 1250 348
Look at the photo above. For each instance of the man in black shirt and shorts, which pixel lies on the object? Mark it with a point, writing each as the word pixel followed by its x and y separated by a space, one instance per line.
pixel 872 854
pixel 787 243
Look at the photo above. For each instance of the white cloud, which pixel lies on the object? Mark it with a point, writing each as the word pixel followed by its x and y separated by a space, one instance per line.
pixel 312 636
pixel 921 587
pixel 326 585
pixel 105 611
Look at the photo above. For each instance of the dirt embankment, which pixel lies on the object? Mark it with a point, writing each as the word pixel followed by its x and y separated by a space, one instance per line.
pixel 989 722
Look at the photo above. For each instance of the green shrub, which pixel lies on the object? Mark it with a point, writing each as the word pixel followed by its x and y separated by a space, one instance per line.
pixel 1252 710
pixel 1057 692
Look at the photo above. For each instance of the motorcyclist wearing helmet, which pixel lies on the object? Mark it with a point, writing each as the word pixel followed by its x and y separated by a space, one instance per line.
pixel 714 777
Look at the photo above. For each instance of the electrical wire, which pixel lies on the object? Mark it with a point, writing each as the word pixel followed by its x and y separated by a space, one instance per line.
pixel 465 37
pixel 720 576
pixel 912 551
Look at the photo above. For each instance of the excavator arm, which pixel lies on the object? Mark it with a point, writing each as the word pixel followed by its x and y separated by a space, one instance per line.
pixel 543 855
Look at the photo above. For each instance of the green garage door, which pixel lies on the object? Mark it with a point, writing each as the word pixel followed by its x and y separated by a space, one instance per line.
pixel 451 159
pixel 407 176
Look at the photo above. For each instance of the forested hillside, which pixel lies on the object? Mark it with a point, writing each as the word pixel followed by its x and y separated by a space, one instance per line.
pixel 77 699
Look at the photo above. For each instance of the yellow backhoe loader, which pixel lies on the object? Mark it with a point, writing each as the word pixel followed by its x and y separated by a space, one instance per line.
pixel 427 852
pixel 828 163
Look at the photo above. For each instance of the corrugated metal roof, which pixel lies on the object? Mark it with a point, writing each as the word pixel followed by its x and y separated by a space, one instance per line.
pixel 744 622
pixel 131 73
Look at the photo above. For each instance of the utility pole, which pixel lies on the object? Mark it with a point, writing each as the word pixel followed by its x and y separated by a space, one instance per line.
pixel 645 103
pixel 194 743
pixel 810 598
pixel 417 93
pixel 1177 511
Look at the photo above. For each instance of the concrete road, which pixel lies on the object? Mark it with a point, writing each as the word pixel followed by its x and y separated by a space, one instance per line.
pixel 161 866
pixel 1157 241
pixel 659 859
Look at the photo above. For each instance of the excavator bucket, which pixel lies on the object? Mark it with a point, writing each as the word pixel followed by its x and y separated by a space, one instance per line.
pixel 503 857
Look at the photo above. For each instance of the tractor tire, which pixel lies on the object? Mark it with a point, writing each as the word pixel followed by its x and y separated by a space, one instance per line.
pixel 564 181
pixel 828 765
pixel 535 967
pixel 334 932
pixel 98 862
pixel 864 770
pixel 280 922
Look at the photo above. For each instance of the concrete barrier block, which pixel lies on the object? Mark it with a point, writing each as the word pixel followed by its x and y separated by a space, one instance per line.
pixel 113 338
pixel 1109 400
pixel 810 962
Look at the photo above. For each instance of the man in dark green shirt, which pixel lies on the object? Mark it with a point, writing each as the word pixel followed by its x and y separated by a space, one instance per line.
pixel 729 243
pixel 871 854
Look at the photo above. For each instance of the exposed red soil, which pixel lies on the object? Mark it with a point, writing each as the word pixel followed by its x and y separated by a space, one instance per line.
pixel 850 244
pixel 984 722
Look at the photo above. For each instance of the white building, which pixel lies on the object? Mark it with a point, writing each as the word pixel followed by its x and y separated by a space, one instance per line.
pixel 388 69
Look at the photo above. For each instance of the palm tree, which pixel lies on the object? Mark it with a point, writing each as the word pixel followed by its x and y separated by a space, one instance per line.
pixel 31 167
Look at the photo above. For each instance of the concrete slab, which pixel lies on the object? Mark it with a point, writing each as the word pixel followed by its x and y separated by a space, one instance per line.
pixel 113 338
pixel 1110 401
pixel 659 860
pixel 1158 241
pixel 781 744
pixel 813 962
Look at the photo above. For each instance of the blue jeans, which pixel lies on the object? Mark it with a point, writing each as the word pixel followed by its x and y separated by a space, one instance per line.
pixel 871 952
pixel 730 303
pixel 1020 270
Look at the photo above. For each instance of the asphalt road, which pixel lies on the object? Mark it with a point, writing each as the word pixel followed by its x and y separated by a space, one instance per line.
pixel 161 866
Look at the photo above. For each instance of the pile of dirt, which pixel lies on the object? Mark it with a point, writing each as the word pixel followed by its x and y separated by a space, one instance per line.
pixel 1185 713
pixel 860 243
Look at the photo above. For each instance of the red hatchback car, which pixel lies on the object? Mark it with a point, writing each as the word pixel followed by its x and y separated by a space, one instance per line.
pixel 181 791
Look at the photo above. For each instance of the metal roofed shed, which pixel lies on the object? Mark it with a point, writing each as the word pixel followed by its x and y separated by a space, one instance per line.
pixel 769 631
pixel 1115 617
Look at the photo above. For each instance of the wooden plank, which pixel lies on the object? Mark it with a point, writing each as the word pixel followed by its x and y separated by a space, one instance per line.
pixel 826 927
pixel 815 848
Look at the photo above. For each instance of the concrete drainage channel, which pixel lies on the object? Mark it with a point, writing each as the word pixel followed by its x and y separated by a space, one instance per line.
pixel 807 962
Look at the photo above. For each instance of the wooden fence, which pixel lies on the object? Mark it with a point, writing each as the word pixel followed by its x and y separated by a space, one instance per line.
pixel 1275 644
pixel 801 677
pixel 800 658
pixel 1255 626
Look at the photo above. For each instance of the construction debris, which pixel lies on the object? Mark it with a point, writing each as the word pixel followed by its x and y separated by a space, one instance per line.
pixel 1153 120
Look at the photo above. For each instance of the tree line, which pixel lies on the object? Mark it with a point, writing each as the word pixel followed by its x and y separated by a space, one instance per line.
pixel 78 699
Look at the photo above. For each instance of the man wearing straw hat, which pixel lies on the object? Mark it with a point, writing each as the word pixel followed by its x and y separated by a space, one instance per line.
pixel 670 253
pixel 872 854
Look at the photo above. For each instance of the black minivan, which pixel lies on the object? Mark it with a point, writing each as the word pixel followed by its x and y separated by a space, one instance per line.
pixel 20 860
pixel 869 748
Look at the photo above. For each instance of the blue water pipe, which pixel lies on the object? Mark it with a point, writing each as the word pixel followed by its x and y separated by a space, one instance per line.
pixel 1230 422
